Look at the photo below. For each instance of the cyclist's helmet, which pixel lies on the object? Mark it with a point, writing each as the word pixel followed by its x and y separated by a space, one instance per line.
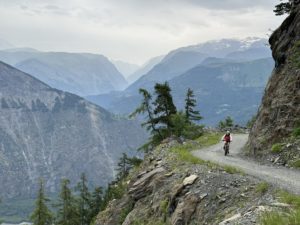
pixel 228 132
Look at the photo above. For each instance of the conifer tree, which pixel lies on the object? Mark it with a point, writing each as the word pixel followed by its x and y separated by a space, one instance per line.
pixel 145 107
pixel 67 213
pixel 190 103
pixel 83 200
pixel 96 202
pixel 123 167
pixel 41 214
pixel 283 8
pixel 164 106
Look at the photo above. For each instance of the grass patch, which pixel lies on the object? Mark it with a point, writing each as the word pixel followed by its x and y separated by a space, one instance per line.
pixel 184 154
pixel 276 148
pixel 232 170
pixel 209 139
pixel 289 198
pixel 184 151
pixel 291 217
pixel 273 218
pixel 262 187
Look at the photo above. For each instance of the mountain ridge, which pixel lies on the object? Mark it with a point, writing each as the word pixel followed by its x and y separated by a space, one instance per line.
pixel 50 133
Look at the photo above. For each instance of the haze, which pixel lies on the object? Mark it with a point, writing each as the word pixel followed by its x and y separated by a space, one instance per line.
pixel 131 30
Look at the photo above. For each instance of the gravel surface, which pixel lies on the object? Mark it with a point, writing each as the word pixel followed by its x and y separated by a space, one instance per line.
pixel 288 179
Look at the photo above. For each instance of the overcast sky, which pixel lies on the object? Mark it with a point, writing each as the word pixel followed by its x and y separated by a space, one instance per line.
pixel 131 30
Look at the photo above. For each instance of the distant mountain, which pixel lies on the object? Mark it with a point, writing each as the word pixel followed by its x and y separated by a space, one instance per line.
pixel 125 68
pixel 82 74
pixel 171 66
pixel 53 134
pixel 223 47
pixel 248 61
pixel 222 88
pixel 233 89
pixel 145 68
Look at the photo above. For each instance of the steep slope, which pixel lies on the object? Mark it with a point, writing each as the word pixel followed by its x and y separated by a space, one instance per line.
pixel 279 112
pixel 82 74
pixel 52 134
pixel 174 188
pixel 171 66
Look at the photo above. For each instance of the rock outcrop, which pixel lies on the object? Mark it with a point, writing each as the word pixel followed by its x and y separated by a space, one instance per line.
pixel 168 190
pixel 279 112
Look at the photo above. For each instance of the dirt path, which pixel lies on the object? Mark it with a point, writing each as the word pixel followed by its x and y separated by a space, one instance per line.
pixel 284 178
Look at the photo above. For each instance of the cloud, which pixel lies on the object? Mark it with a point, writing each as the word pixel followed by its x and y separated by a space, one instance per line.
pixel 132 30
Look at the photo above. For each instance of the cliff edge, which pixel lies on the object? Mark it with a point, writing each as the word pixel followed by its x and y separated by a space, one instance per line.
pixel 279 113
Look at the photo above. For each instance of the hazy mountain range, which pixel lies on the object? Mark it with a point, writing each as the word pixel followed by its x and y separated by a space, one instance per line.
pixel 82 74
pixel 228 77
pixel 127 69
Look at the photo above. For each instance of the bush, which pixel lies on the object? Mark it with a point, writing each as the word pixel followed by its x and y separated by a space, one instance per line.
pixel 296 132
pixel 183 128
pixel 296 164
pixel 276 148
pixel 227 123
pixel 262 187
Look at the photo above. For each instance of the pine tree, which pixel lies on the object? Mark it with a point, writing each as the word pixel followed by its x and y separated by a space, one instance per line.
pixel 284 7
pixel 190 103
pixel 123 167
pixel 41 214
pixel 96 203
pixel 164 107
pixel 84 200
pixel 145 107
pixel 67 213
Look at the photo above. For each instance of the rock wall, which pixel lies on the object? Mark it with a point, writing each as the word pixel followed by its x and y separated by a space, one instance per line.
pixel 279 112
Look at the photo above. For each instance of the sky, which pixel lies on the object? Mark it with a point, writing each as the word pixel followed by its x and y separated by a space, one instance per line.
pixel 131 30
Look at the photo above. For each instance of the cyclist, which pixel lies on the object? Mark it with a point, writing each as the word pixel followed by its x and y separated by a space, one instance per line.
pixel 227 138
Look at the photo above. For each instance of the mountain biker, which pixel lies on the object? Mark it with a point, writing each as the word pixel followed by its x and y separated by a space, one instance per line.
pixel 227 138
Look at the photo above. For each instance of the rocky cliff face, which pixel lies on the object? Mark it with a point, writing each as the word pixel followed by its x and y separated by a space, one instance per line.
pixel 279 112
pixel 52 134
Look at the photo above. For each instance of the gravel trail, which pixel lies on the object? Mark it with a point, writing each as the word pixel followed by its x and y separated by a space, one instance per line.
pixel 284 178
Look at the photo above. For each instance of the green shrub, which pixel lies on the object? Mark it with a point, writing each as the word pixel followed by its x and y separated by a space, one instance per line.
pixel 276 148
pixel 296 164
pixel 296 132
pixel 227 123
pixel 262 187
pixel 164 206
